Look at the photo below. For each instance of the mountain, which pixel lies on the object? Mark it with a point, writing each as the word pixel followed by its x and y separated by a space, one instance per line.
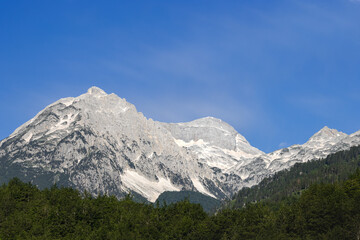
pixel 334 168
pixel 323 143
pixel 100 143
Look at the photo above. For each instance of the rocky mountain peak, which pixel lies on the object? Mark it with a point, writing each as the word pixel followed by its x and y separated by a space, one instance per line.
pixel 95 91
pixel 327 134
pixel 211 122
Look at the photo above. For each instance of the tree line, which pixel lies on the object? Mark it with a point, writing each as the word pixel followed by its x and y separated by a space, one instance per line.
pixel 323 211
pixel 291 182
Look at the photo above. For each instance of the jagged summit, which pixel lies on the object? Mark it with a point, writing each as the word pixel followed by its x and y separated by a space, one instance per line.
pixel 209 130
pixel 211 122
pixel 327 134
pixel 216 143
pixel 209 119
pixel 96 91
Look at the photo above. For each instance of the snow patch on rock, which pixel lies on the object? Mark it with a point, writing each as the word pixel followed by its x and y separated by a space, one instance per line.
pixel 151 190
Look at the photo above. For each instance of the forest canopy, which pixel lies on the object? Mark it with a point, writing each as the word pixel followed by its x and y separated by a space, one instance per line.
pixel 324 211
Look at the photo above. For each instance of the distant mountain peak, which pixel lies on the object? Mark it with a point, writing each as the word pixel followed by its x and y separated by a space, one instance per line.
pixel 327 134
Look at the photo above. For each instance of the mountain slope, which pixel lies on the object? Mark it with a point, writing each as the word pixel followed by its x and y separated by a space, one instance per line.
pixel 100 143
pixel 215 142
pixel 321 144
pixel 334 168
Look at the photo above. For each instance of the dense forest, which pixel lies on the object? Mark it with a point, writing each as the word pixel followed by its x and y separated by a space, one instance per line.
pixel 324 211
pixel 334 168
pixel 209 204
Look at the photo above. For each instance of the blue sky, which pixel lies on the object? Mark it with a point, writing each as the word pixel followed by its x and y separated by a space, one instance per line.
pixel 278 71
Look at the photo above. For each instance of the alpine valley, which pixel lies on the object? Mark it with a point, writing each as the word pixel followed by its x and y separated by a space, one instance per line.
pixel 100 143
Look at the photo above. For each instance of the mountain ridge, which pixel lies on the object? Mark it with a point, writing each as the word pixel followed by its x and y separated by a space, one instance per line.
pixel 100 143
pixel 334 168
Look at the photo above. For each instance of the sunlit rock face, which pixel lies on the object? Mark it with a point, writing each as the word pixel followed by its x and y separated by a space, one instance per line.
pixel 100 143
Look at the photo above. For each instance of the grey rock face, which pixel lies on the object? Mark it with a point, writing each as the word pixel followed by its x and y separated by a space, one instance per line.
pixel 99 142
pixel 320 145
pixel 211 130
